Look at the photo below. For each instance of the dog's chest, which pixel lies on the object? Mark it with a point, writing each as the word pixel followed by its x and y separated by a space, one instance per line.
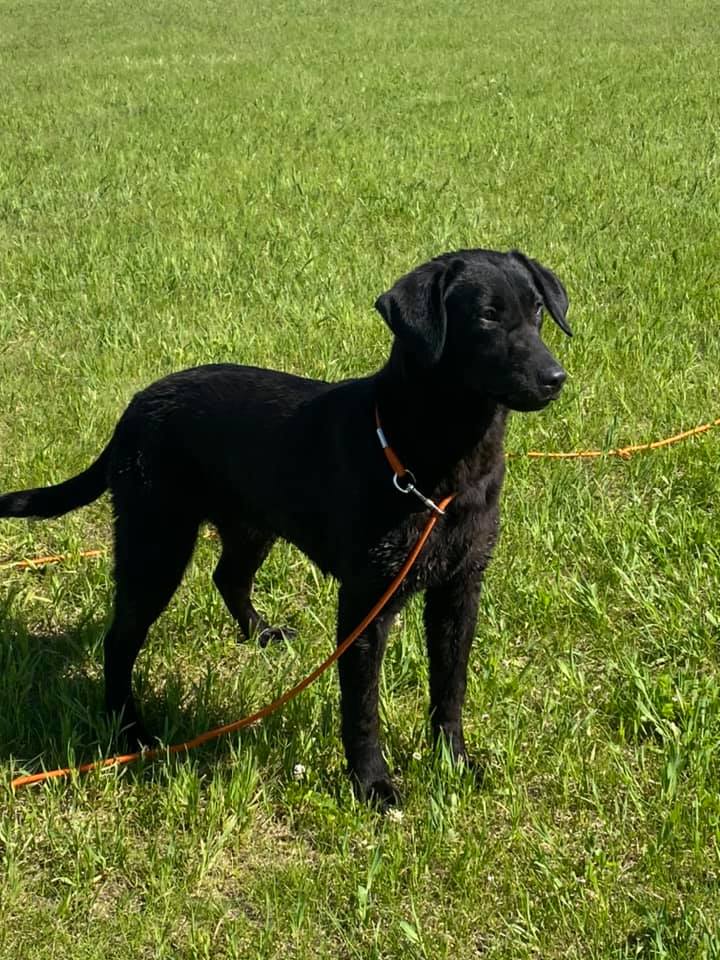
pixel 463 538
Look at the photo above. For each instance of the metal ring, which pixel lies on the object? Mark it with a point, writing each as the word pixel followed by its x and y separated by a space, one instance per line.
pixel 410 477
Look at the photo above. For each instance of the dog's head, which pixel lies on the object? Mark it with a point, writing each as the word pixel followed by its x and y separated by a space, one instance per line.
pixel 473 319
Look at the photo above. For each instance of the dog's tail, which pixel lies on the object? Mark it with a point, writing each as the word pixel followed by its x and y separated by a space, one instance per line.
pixel 60 498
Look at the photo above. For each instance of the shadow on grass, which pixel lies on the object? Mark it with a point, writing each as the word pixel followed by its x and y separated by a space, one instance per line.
pixel 52 707
pixel 51 687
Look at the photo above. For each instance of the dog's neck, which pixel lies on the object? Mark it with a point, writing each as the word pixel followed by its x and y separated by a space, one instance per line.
pixel 440 431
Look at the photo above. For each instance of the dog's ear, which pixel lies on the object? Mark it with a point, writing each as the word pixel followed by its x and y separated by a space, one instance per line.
pixel 551 290
pixel 414 308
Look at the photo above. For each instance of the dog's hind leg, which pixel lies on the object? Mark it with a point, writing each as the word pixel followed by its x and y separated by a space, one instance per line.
pixel 243 551
pixel 152 550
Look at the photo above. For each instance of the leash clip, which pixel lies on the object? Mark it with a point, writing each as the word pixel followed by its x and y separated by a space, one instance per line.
pixel 406 484
pixel 403 479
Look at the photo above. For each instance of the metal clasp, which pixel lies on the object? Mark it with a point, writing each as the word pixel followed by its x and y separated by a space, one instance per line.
pixel 406 484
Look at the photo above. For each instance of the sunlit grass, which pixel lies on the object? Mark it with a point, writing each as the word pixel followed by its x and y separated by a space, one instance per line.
pixel 194 182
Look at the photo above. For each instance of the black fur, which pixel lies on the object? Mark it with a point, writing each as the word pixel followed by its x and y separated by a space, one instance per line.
pixel 262 455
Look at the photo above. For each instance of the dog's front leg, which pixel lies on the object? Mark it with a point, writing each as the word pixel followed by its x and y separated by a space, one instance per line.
pixel 359 669
pixel 450 619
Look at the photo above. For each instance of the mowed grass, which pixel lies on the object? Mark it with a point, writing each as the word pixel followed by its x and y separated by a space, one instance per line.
pixel 191 182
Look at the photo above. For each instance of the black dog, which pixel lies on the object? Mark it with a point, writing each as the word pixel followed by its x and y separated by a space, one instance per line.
pixel 262 455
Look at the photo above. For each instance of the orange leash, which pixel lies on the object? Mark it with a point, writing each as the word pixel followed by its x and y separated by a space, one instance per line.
pixel 271 707
pixel 31 564
pixel 624 452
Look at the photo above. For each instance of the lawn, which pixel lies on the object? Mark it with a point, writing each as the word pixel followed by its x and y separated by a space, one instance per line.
pixel 197 181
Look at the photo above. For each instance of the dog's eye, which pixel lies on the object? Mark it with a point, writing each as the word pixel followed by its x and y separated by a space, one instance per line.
pixel 489 316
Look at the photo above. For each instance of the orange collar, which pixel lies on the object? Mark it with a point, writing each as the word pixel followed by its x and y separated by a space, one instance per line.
pixel 403 479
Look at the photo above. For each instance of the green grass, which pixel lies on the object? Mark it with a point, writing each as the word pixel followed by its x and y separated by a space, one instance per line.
pixel 195 181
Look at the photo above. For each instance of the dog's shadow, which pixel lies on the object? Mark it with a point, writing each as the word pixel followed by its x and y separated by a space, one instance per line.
pixel 52 702
pixel 47 678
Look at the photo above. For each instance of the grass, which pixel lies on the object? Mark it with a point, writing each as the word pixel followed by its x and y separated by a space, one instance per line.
pixel 192 182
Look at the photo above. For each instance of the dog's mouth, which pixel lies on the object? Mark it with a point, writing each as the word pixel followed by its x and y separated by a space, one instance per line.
pixel 529 402
pixel 550 394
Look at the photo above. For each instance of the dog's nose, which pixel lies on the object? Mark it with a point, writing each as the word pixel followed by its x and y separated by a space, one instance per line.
pixel 554 377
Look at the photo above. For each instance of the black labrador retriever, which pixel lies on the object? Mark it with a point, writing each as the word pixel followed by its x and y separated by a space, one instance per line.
pixel 262 454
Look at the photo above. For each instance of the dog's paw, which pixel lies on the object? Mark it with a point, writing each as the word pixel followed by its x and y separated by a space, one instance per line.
pixel 127 731
pixel 383 794
pixel 270 635
pixel 451 746
pixel 379 793
pixel 477 766
pixel 134 736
